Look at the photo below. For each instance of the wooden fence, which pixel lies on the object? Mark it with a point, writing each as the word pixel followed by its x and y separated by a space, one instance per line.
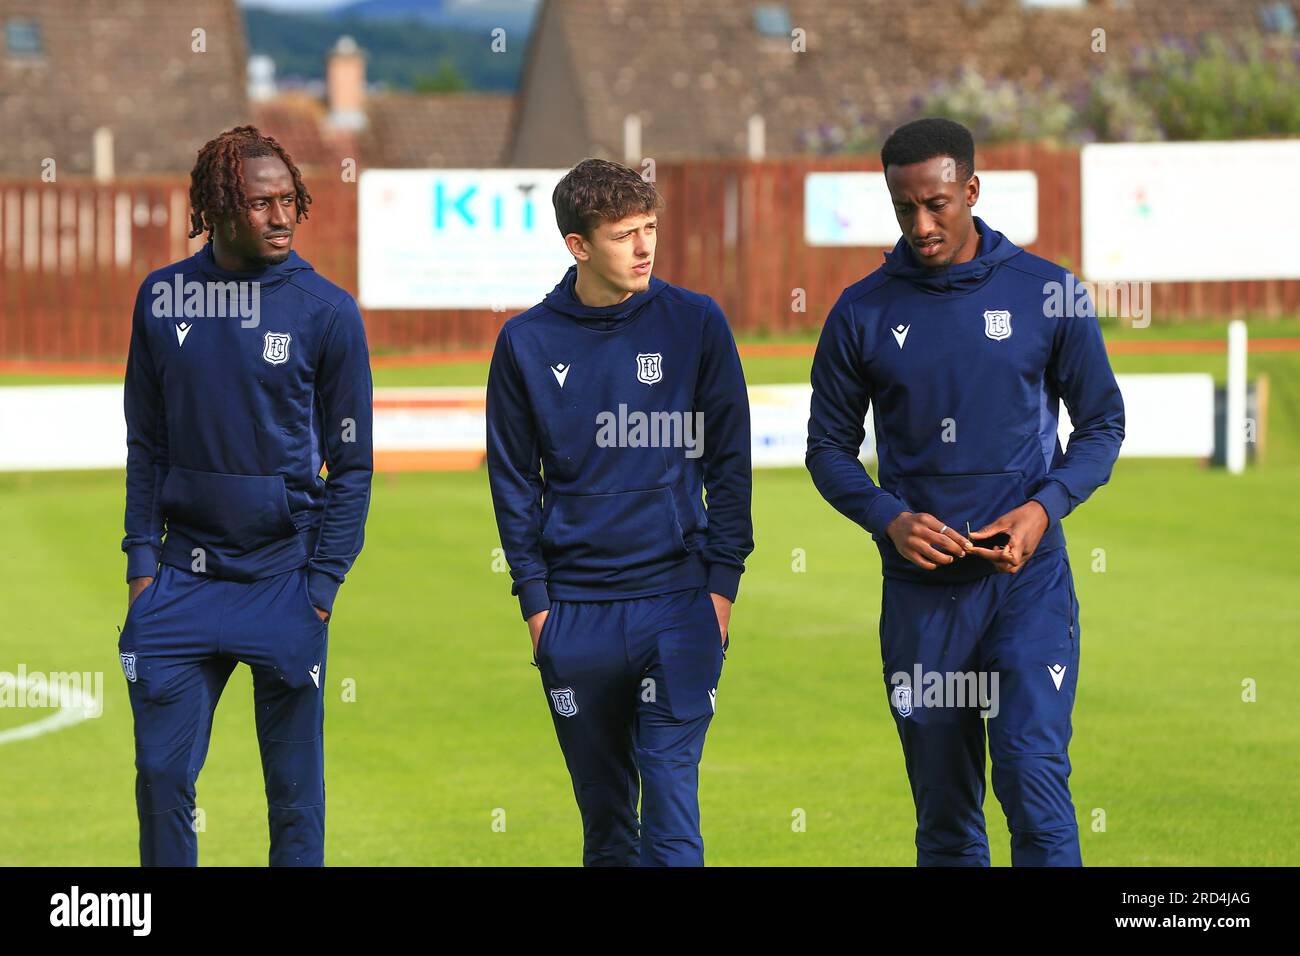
pixel 73 254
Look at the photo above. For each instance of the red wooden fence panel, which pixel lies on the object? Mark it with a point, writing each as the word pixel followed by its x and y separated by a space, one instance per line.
pixel 73 254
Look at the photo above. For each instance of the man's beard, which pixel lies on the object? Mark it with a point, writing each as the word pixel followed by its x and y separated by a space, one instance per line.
pixel 265 262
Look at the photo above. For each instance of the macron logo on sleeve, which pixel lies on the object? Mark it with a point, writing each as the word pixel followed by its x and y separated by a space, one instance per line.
pixel 900 333
pixel 182 330
pixel 561 372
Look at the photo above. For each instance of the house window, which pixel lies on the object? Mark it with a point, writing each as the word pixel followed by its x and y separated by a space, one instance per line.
pixel 22 37
pixel 772 20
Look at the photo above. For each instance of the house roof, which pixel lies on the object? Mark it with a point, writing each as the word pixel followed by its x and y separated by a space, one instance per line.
pixel 695 70
pixel 126 66
pixel 297 122
pixel 419 130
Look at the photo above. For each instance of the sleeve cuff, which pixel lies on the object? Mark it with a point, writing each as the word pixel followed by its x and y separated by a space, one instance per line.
pixel 1054 499
pixel 533 598
pixel 141 561
pixel 882 512
pixel 724 580
pixel 322 589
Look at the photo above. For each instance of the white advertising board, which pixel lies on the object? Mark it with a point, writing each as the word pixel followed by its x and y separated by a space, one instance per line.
pixel 1182 212
pixel 854 209
pixel 49 427
pixel 458 238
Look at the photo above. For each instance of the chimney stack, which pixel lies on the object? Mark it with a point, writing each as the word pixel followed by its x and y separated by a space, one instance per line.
pixel 345 79
pixel 261 77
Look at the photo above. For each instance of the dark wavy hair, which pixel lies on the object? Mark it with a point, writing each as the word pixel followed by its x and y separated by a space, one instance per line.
pixel 217 180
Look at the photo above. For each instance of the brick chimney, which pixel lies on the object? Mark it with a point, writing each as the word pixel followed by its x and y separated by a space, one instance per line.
pixel 345 80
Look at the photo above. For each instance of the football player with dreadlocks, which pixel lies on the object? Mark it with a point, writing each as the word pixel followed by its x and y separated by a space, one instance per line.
pixel 247 372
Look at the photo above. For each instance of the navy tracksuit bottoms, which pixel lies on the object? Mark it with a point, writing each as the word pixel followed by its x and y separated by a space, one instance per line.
pixel 182 638
pixel 631 687
pixel 1015 637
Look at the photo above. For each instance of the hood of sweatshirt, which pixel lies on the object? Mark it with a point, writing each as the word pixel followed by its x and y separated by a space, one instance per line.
pixel 268 278
pixel 564 300
pixel 960 278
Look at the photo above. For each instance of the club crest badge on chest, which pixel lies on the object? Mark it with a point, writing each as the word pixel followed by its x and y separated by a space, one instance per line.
pixel 997 324
pixel 649 367
pixel 276 349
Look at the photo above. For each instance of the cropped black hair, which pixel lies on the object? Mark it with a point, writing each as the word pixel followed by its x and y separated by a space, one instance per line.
pixel 923 139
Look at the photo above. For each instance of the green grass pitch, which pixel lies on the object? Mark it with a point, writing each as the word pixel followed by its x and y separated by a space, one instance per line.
pixel 447 755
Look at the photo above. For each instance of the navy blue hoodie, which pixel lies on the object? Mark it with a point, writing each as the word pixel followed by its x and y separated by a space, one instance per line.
pixel 591 507
pixel 228 425
pixel 963 368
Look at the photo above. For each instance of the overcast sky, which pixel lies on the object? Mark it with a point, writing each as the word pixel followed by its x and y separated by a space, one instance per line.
pixel 326 4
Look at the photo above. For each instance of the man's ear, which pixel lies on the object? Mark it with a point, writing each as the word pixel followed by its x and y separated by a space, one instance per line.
pixel 973 191
pixel 577 247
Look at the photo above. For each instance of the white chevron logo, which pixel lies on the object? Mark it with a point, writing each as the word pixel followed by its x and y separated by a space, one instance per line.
pixel 561 372
pixel 900 333
pixel 182 330
pixel 314 674
pixel 1058 674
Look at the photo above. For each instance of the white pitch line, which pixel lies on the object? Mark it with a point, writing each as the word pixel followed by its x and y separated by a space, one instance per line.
pixel 71 711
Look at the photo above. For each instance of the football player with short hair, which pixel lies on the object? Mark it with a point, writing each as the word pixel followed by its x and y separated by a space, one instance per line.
pixel 613 406
pixel 956 347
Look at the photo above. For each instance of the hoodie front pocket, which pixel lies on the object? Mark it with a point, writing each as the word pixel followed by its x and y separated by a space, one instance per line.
pixel 624 529
pixel 957 500
pixel 239 512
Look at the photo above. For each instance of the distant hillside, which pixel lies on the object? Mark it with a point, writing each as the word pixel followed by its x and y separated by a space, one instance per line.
pixel 460 14
pixel 405 50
